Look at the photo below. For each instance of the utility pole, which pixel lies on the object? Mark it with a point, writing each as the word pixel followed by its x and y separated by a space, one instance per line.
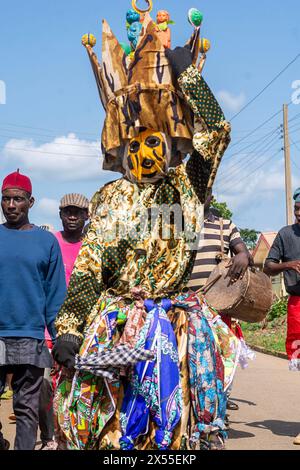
pixel 288 174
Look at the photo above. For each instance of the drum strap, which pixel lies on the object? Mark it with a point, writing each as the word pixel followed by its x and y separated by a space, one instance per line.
pixel 221 256
pixel 222 236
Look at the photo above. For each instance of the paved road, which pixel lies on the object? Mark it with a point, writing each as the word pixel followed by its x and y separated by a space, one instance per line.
pixel 269 399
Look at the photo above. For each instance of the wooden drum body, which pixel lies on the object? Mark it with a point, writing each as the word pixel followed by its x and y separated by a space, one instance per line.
pixel 248 299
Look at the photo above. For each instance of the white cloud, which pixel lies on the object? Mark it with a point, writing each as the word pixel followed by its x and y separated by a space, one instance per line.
pixel 66 158
pixel 240 185
pixel 230 101
pixel 47 207
pixel 245 187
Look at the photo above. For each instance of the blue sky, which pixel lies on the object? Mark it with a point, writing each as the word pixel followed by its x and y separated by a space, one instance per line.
pixel 52 103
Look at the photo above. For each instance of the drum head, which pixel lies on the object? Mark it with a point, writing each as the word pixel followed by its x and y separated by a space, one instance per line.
pixel 223 295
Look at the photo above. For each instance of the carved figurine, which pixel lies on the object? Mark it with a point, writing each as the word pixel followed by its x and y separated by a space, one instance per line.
pixel 163 21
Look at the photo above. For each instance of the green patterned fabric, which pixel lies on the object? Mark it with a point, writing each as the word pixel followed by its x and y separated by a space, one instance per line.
pixel 200 98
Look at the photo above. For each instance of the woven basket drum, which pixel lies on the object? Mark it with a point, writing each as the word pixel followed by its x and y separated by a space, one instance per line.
pixel 248 299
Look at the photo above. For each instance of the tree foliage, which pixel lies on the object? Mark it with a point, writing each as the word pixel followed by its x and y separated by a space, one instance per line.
pixel 249 236
pixel 223 209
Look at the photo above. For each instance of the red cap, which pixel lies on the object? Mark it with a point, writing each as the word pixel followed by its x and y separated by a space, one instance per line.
pixel 17 181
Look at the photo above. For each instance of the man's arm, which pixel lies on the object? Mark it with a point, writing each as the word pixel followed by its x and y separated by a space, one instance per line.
pixel 274 264
pixel 242 259
pixel 240 262
pixel 212 131
pixel 273 268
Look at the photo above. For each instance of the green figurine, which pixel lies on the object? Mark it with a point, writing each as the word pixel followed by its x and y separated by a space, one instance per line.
pixel 195 17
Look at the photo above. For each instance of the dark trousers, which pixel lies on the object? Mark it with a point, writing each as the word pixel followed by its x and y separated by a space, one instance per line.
pixel 46 419
pixel 26 385
pixel 2 440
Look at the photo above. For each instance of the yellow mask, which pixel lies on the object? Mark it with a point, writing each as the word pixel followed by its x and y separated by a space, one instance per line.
pixel 147 158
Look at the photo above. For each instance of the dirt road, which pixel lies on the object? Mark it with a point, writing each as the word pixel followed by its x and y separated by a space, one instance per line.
pixel 269 415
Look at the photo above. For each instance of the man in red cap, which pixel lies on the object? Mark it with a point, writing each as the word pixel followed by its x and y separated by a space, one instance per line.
pixel 32 291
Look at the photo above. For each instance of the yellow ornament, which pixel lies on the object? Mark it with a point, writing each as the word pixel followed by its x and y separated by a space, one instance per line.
pixel 204 45
pixel 141 11
pixel 88 40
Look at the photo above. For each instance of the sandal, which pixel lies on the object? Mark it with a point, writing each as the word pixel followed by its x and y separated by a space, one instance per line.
pixel 232 406
pixel 226 421
pixel 216 441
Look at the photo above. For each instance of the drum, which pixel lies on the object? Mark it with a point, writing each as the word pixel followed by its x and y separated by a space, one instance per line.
pixel 249 299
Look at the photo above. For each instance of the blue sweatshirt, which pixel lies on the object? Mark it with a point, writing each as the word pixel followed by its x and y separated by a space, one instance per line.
pixel 32 282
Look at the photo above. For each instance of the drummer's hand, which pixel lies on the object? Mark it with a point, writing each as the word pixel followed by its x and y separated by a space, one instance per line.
pixel 238 267
pixel 294 265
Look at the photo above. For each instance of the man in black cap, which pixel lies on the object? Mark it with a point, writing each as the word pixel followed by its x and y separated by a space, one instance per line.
pixel 74 214
pixel 284 257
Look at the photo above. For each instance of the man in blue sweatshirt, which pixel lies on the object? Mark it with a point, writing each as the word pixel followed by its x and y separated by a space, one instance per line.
pixel 32 289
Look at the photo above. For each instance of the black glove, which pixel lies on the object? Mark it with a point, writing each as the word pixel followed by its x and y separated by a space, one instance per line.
pixel 65 350
pixel 180 59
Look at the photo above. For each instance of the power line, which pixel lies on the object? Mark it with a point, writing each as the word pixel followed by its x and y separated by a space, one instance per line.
pixel 266 87
pixel 296 166
pixel 261 140
pixel 295 144
pixel 256 149
pixel 254 171
pixel 47 130
pixel 256 129
pixel 247 162
pixel 295 130
pixel 295 118
pixel 52 153
pixel 64 144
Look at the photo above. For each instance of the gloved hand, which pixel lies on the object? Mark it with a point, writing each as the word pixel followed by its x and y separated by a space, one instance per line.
pixel 180 59
pixel 65 350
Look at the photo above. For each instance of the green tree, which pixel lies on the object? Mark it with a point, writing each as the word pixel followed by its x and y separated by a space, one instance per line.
pixel 249 237
pixel 222 208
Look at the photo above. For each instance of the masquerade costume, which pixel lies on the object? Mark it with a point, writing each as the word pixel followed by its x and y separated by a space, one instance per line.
pixel 154 360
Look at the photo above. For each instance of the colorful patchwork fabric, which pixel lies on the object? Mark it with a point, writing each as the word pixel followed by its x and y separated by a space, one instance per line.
pixel 109 363
pixel 181 342
pixel 148 395
pixel 84 409
pixel 157 266
pixel 213 354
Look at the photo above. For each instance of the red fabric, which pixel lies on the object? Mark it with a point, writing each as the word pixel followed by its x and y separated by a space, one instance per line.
pixel 234 326
pixel 17 181
pixel 226 320
pixel 293 328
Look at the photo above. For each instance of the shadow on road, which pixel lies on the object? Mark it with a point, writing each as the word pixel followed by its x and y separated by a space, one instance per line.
pixel 280 428
pixel 250 403
pixel 234 434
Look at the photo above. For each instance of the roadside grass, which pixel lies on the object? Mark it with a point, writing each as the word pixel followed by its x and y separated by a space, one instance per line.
pixel 271 336
pixel 271 333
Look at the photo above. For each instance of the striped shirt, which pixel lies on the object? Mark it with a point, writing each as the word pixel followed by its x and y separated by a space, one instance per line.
pixel 210 248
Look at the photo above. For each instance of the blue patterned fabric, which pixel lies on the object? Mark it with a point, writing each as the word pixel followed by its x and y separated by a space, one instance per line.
pixel 206 372
pixel 148 396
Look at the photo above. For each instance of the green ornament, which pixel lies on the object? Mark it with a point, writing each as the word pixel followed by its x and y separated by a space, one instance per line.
pixel 121 318
pixel 195 17
pixel 126 48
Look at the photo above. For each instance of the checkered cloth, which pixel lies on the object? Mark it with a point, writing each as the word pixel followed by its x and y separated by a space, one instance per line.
pixel 109 363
